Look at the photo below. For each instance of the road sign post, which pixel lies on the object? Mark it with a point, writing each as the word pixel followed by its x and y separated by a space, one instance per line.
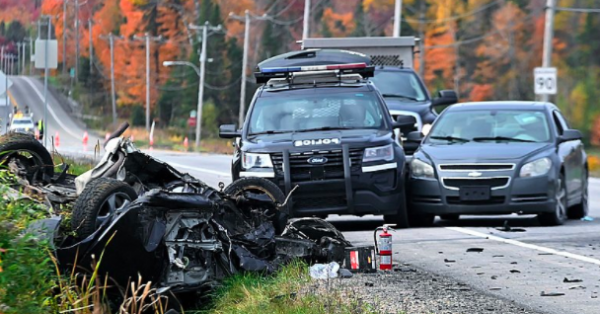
pixel 544 81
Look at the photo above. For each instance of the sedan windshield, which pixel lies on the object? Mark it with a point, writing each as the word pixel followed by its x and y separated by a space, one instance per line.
pixel 404 86
pixel 22 122
pixel 281 112
pixel 491 126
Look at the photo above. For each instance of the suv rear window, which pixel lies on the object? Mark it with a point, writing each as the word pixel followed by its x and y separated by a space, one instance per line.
pixel 346 110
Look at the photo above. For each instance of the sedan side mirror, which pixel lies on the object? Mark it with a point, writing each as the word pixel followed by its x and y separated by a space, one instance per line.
pixel 229 131
pixel 415 137
pixel 445 97
pixel 404 121
pixel 570 135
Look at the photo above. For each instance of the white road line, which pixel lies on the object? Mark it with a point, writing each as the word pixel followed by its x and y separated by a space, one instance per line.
pixel 50 109
pixel 219 173
pixel 525 245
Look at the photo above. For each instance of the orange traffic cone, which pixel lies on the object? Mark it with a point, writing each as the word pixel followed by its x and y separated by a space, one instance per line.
pixel 85 138
pixel 57 140
pixel 37 134
pixel 186 143
pixel 106 136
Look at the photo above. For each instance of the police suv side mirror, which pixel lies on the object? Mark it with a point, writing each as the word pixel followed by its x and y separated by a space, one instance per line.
pixel 415 137
pixel 404 121
pixel 570 135
pixel 445 97
pixel 229 131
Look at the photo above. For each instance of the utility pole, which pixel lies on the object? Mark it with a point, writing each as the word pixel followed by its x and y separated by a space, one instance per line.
pixel 305 30
pixel 64 48
pixel 76 40
pixel 24 54
pixel 397 18
pixel 18 67
pixel 205 28
pixel 246 20
pixel 147 38
pixel 422 39
pixel 111 40
pixel 30 55
pixel 91 46
pixel 46 74
pixel 548 37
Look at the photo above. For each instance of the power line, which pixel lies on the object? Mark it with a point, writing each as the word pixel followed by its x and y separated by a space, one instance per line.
pixel 578 10
pixel 457 17
pixel 465 41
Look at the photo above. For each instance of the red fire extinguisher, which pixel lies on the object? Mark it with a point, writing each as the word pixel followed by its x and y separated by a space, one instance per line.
pixel 383 246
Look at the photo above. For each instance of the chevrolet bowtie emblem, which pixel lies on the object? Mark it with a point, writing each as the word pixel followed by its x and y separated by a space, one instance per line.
pixel 474 174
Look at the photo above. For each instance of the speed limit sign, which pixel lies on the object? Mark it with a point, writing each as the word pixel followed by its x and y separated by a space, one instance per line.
pixel 544 81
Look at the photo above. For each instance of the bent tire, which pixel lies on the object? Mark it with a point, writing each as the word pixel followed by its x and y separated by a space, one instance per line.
pixel 29 154
pixel 559 215
pixel 98 201
pixel 260 186
pixel 582 209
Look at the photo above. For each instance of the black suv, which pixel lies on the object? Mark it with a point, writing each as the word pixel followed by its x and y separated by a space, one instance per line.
pixel 325 129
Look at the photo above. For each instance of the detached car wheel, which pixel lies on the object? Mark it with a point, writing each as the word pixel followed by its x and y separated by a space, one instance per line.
pixel 262 190
pixel 582 209
pixel 28 154
pixel 98 201
pixel 559 215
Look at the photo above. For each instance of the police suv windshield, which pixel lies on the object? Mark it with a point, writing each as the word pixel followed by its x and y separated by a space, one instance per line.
pixel 402 85
pixel 282 112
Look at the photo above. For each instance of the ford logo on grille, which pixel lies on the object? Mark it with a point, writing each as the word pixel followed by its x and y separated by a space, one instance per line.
pixel 317 160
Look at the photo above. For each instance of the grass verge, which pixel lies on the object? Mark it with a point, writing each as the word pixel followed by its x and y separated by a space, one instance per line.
pixel 290 291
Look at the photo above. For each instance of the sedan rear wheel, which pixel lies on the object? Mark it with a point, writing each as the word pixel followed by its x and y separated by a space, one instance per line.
pixel 559 215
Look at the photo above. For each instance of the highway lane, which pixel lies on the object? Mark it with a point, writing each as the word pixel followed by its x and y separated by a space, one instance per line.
pixel 516 265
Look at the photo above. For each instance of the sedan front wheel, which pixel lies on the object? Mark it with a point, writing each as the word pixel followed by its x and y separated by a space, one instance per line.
pixel 559 216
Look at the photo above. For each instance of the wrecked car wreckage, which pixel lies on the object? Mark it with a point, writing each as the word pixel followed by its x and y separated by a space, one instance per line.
pixel 144 218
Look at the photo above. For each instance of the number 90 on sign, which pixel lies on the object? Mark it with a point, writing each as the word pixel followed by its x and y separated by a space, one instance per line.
pixel 545 81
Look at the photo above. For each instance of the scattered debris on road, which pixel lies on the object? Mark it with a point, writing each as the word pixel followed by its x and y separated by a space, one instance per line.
pixel 507 228
pixel 567 280
pixel 577 287
pixel 475 249
pixel 515 271
pixel 449 260
pixel 551 294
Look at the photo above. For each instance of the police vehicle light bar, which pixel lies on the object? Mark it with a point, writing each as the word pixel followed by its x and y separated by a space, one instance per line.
pixel 265 74
pixel 314 68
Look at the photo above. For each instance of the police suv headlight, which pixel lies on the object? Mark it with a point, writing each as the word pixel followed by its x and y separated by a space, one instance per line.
pixel 382 153
pixel 421 169
pixel 536 168
pixel 251 160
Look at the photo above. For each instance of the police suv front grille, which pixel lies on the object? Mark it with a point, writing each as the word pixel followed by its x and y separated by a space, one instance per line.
pixel 301 170
pixel 476 167
pixel 454 200
pixel 493 182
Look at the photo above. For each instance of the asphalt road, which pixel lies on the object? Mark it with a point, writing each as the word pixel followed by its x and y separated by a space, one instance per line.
pixel 518 266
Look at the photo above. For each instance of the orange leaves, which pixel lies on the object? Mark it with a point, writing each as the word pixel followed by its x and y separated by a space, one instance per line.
pixel 481 92
pixel 339 24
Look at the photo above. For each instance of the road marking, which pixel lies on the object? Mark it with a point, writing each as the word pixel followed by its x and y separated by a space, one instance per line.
pixel 525 245
pixel 219 173
pixel 50 109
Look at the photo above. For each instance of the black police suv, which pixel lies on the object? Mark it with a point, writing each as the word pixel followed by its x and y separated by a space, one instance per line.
pixel 491 158
pixel 325 129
